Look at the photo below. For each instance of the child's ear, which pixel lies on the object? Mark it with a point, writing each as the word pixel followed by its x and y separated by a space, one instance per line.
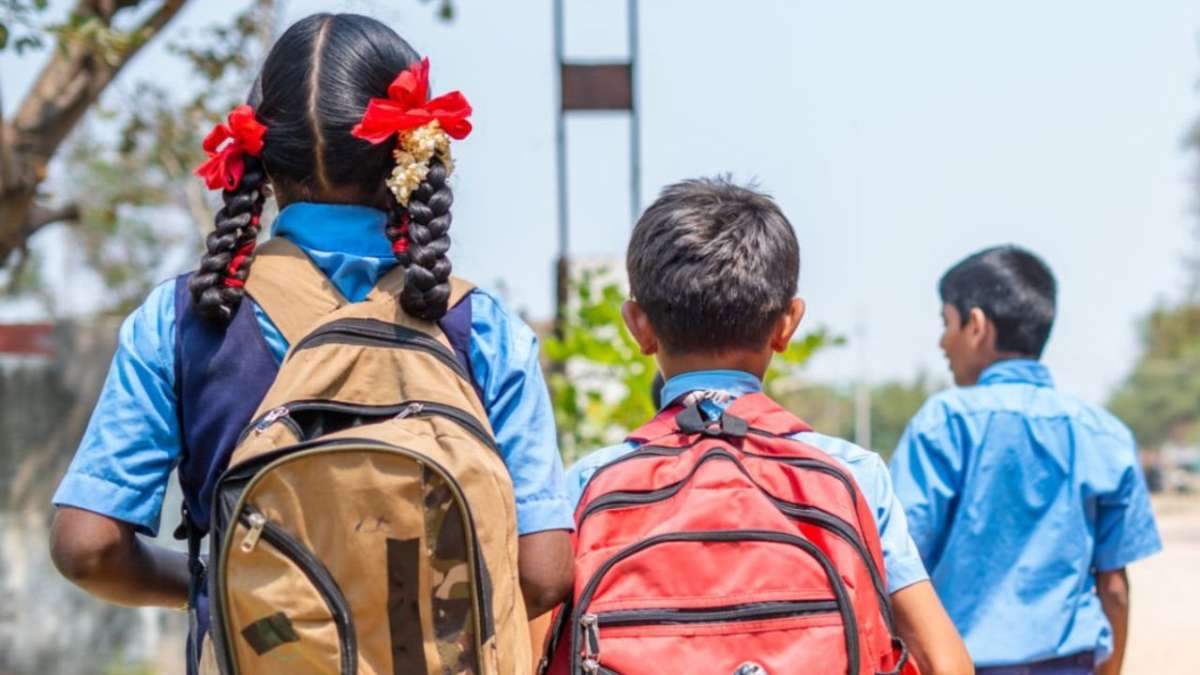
pixel 639 327
pixel 978 329
pixel 787 324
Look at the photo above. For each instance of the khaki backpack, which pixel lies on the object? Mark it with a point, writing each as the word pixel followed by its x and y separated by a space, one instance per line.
pixel 366 523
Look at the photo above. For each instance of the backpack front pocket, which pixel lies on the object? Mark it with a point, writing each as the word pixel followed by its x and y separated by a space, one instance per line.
pixel 612 627
pixel 777 636
pixel 286 612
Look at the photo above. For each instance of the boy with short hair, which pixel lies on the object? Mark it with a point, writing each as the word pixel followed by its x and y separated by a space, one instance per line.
pixel 1026 503
pixel 713 269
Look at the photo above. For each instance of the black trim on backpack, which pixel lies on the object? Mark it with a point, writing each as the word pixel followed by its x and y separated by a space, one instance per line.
pixel 692 421
pixel 403 605
pixel 841 595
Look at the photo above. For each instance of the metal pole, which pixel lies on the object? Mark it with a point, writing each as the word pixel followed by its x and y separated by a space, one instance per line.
pixel 635 133
pixel 562 266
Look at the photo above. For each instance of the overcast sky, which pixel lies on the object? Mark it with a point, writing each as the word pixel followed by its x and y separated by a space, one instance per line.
pixel 898 137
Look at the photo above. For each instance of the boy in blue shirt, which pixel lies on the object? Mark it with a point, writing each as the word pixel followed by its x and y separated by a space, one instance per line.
pixel 713 269
pixel 1026 503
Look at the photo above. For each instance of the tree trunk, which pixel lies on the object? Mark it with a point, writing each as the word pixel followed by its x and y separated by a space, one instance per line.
pixel 66 89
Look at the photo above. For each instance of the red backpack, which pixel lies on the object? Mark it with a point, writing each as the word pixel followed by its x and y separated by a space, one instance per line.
pixel 725 547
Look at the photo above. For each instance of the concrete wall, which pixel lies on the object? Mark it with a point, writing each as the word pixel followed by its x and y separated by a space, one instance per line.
pixel 47 626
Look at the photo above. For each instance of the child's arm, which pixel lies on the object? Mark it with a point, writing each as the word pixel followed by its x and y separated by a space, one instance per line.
pixel 927 474
pixel 545 565
pixel 1113 588
pixel 106 558
pixel 506 362
pixel 933 641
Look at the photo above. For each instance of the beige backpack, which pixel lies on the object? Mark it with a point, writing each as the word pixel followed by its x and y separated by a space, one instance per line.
pixel 366 522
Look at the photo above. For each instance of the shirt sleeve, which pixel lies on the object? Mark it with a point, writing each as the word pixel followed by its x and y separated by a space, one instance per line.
pixel 582 471
pixel 504 358
pixel 1125 527
pixel 132 440
pixel 926 473
pixel 900 556
pixel 901 560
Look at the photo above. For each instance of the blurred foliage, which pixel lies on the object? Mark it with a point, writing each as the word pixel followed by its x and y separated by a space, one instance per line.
pixel 120 667
pixel 600 381
pixel 19 28
pixel 137 195
pixel 128 167
pixel 830 409
pixel 1160 399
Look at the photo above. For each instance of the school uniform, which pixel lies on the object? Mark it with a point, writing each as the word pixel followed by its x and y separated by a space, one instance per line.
pixel 900 557
pixel 179 390
pixel 1016 494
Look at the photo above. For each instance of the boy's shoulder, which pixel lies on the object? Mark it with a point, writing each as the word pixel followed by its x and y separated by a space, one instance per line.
pixel 1020 400
pixel 841 449
pixel 867 467
pixel 583 468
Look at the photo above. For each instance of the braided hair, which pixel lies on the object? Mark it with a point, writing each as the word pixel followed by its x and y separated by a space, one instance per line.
pixel 230 247
pixel 420 238
pixel 314 87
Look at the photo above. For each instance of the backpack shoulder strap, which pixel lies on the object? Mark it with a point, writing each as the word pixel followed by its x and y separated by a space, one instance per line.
pixel 290 288
pixel 675 425
pixel 388 288
pixel 762 413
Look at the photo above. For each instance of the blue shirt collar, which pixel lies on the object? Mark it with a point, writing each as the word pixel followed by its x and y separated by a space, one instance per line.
pixel 1017 371
pixel 345 228
pixel 736 382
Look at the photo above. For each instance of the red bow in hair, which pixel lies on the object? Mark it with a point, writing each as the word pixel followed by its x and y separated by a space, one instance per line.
pixel 405 109
pixel 226 144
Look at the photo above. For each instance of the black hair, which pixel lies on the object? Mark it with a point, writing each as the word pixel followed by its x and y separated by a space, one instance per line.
pixel 314 87
pixel 714 265
pixel 1013 288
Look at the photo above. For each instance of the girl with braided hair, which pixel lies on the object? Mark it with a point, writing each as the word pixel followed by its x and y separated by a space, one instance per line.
pixel 341 131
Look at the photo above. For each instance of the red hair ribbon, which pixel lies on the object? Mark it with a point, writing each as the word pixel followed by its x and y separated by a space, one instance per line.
pixel 226 146
pixel 406 108
pixel 400 243
pixel 239 256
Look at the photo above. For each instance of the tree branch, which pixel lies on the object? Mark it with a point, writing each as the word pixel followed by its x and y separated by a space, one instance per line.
pixel 41 216
pixel 67 87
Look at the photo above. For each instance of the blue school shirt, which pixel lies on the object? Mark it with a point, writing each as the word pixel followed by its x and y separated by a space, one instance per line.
pixel 1016 495
pixel 133 439
pixel 900 557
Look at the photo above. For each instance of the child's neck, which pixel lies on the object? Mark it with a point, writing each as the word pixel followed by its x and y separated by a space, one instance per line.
pixel 754 363
pixel 991 360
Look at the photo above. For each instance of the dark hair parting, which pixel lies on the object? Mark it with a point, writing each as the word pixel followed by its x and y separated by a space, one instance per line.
pixel 314 87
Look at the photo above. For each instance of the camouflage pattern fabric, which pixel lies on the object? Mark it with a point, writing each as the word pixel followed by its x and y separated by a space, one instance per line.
pixel 453 614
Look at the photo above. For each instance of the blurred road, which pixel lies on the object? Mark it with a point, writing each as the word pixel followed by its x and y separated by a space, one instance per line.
pixel 1166 596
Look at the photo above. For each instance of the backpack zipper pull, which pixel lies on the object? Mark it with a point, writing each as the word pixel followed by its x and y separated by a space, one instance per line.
pixel 410 410
pixel 591 643
pixel 271 418
pixel 257 522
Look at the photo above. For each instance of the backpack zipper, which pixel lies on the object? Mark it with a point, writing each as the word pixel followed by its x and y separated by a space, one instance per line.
pixel 480 590
pixel 462 417
pixel 589 629
pixel 282 414
pixel 318 575
pixel 754 611
pixel 804 512
pixel 375 333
